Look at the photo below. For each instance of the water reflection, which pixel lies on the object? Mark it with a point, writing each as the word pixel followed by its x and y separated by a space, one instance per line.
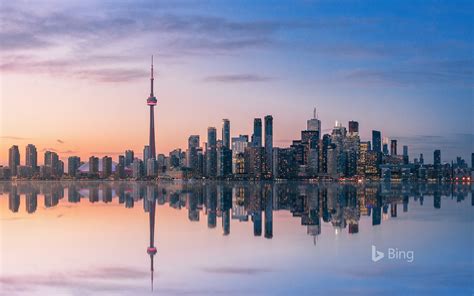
pixel 339 205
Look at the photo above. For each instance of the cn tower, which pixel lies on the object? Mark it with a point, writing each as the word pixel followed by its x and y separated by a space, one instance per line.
pixel 151 101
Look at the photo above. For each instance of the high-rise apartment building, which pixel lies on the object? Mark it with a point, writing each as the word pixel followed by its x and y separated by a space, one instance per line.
pixel 268 144
pixel 73 164
pixel 129 157
pixel 257 133
pixel 376 141
pixel 211 153
pixel 13 159
pixel 393 147
pixel 226 133
pixel 31 156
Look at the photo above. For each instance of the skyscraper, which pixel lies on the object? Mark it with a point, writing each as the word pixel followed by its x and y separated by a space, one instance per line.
pixel 137 168
pixel 129 157
pixel 146 155
pixel 351 147
pixel 211 153
pixel 353 127
pixel 255 162
pixel 332 154
pixel 13 159
pixel 151 167
pixel 151 101
pixel 93 165
pixel 385 149
pixel 31 156
pixel 406 160
pixel 437 163
pixel 437 158
pixel 376 141
pixel 269 144
pixel 224 161
pixel 338 137
pixel 73 164
pixel 257 133
pixel 120 168
pixel 323 167
pixel 51 159
pixel 226 133
pixel 314 124
pixel 238 148
pixel 393 147
pixel 192 152
pixel 310 141
pixel 362 160
pixel 106 166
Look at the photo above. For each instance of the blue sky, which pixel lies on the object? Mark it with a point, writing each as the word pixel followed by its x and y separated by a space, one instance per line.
pixel 402 67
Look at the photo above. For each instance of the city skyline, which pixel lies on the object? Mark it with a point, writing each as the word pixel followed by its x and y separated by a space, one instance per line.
pixel 236 67
pixel 384 140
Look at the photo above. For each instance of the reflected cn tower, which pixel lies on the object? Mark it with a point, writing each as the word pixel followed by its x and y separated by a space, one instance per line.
pixel 151 250
pixel 151 101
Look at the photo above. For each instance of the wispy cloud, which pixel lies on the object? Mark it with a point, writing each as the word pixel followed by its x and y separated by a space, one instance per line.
pixel 81 69
pixel 458 72
pixel 68 151
pixel 89 36
pixel 108 279
pixel 14 138
pixel 111 75
pixel 237 270
pixel 237 78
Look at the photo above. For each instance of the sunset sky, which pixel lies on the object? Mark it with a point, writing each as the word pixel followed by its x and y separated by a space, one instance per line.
pixel 74 75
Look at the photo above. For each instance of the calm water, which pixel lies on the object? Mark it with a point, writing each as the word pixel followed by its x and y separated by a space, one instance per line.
pixel 93 238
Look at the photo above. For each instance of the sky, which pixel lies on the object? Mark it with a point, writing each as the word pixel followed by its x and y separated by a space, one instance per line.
pixel 74 75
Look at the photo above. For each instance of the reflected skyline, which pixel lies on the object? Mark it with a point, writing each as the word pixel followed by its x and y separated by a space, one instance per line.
pixel 245 220
pixel 340 205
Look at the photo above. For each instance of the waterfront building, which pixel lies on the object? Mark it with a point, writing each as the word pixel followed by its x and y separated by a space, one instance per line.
pixel 268 145
pixel 129 157
pixel 73 164
pixel 211 153
pixel 31 156
pixel 257 133
pixel 226 133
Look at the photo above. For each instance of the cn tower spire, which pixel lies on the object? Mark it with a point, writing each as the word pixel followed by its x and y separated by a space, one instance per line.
pixel 151 78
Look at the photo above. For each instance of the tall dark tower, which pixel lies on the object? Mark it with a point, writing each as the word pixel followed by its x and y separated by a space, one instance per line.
pixel 151 101
pixel 269 144
pixel 376 141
